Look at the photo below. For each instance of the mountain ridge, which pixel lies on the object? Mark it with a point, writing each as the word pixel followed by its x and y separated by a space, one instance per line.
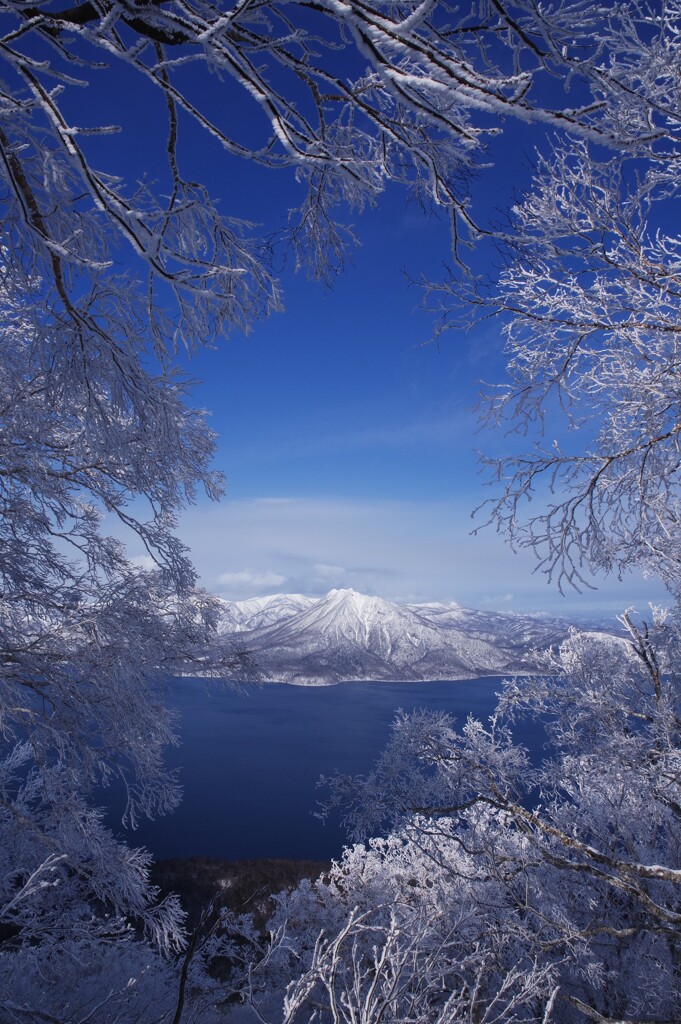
pixel 348 636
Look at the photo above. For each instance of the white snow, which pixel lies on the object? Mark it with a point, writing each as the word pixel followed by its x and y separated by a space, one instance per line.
pixel 345 635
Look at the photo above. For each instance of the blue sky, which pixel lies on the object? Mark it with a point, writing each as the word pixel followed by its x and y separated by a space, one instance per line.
pixel 349 442
pixel 349 445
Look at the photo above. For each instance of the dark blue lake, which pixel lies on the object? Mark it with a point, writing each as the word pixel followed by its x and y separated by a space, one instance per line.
pixel 249 764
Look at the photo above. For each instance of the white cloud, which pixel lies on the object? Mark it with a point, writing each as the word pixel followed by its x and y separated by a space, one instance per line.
pixel 248 582
pixel 496 600
pixel 408 551
pixel 441 427
pixel 332 573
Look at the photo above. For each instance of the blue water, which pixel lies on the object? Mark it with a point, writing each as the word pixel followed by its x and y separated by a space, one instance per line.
pixel 249 764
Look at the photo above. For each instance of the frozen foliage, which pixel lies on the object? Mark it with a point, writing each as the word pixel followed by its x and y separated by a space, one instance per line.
pixel 589 299
pixel 593 294
pixel 350 96
pixel 86 639
pixel 473 907
pixel 503 892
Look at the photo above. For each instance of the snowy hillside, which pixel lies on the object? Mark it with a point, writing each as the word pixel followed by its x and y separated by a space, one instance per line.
pixel 261 611
pixel 349 636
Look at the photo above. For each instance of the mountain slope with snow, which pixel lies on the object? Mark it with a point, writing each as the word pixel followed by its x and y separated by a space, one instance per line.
pixel 350 636
pixel 257 612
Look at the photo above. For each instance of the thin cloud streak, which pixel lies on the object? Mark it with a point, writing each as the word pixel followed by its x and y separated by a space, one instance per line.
pixel 401 550
pixel 445 429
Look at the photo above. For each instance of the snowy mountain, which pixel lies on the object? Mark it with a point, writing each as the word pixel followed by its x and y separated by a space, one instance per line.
pixel 350 636
pixel 256 612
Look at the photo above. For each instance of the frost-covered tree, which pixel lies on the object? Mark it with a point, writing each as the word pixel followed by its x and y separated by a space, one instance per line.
pixel 592 301
pixel 502 891
pixel 87 637
pixel 102 280
pixel 349 96
pixel 589 304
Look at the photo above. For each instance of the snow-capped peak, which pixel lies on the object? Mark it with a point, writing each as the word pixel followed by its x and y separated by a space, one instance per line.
pixel 348 635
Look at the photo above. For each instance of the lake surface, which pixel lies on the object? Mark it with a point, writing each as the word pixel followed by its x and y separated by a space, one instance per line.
pixel 249 764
